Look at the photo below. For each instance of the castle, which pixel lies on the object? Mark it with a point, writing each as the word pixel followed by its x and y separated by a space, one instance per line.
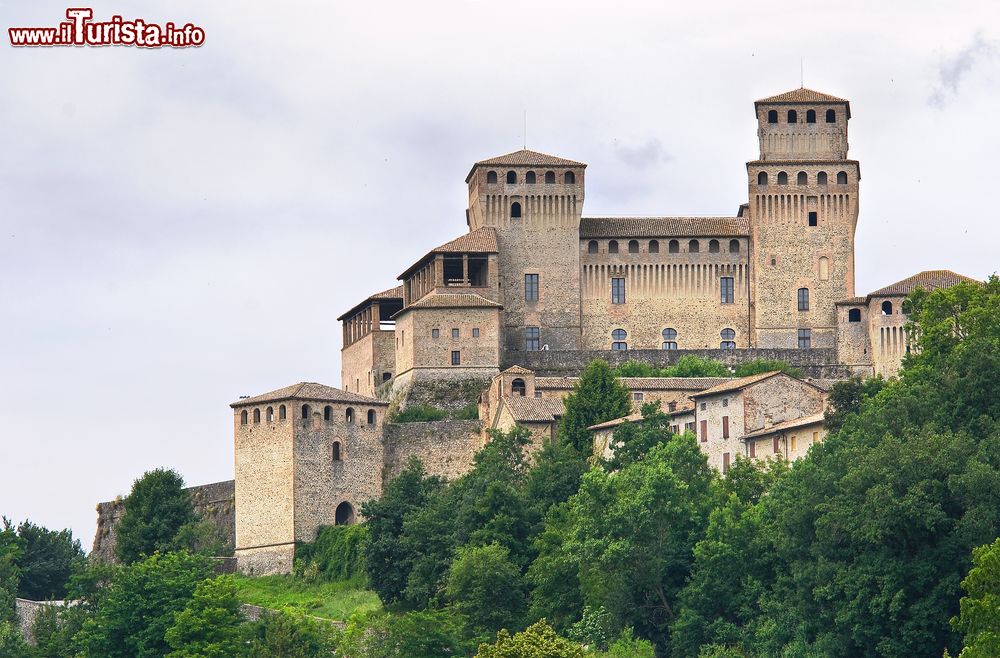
pixel 513 309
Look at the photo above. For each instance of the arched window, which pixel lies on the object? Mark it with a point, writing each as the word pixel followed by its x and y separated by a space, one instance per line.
pixel 336 452
pixel 243 417
pixel 802 178
pixel 831 116
pixel 793 116
pixel 529 178
pixel 728 339
pixel 592 247
pixel 654 247
pixel 349 416
pixel 802 297
pixel 618 338
pixel 824 268
pixel 810 116
pixel 550 177
pixel 305 411
pixel 694 247
pixel 371 416
pixel 772 116
pixel 515 210
pixel 344 515
pixel 762 178
pixel 821 178
pixel 517 387
pixel 842 178
pixel 281 412
pixel 633 246
pixel 491 177
pixel 569 178
pixel 886 308
pixel 669 339
pixel 854 315
pixel 270 414
pixel 256 416
pixel 511 178
pixel 713 246
pixel 613 247
pixel 734 246
pixel 782 178
pixel 674 247
pixel 327 412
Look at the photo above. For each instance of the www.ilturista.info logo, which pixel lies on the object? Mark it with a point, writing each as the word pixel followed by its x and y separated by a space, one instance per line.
pixel 81 30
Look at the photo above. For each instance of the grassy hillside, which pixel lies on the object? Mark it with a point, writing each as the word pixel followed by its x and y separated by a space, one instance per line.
pixel 330 600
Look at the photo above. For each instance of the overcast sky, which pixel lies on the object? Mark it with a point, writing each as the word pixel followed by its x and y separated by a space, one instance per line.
pixel 180 228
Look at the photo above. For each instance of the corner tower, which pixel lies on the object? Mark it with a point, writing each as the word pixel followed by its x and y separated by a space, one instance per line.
pixel 534 201
pixel 803 194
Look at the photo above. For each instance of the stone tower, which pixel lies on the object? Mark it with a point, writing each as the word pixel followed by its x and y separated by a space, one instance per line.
pixel 534 201
pixel 803 202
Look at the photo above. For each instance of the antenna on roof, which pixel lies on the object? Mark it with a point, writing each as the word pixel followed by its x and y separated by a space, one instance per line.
pixel 802 73
pixel 525 134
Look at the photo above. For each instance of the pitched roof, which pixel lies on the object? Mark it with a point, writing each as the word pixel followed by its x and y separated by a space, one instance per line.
pixel 641 383
pixel 786 425
pixel 391 293
pixel 656 227
pixel 481 241
pixel 308 391
pixel 528 158
pixel 802 95
pixel 737 384
pixel 533 410
pixel 516 370
pixel 452 300
pixel 928 280
pixel 637 416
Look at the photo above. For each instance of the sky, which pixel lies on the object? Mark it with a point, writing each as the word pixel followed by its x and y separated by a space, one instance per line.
pixel 182 227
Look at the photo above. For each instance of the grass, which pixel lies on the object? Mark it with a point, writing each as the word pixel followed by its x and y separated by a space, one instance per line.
pixel 329 600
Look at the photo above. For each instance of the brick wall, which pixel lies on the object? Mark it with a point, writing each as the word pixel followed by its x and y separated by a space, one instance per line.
pixel 445 447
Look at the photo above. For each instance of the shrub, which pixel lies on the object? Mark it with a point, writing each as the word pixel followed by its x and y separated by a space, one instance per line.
pixel 423 413
pixel 468 412
pixel 337 554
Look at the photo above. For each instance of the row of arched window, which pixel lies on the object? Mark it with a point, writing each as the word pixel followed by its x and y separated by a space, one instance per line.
pixel 569 178
pixel 619 339
pixel 793 116
pixel 328 413
pixel 803 178
pixel 673 247
pixel 854 314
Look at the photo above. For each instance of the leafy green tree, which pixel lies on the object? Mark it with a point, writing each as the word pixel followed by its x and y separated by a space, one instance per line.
pixel 631 442
pixel 338 553
pixel 418 414
pixel 155 511
pixel 10 575
pixel 979 620
pixel 209 626
pixel 554 575
pixel 554 477
pixel 690 365
pixel 595 629
pixel 48 559
pixel 537 641
pixel 846 397
pixel 597 397
pixel 203 537
pixel 12 645
pixel 750 479
pixel 421 634
pixel 760 366
pixel 285 634
pixel 139 605
pixel 486 588
pixel 628 646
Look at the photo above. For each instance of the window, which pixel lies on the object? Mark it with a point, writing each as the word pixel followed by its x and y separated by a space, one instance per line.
pixel 824 268
pixel 725 402
pixel 613 247
pixel 371 416
pixel 327 412
pixel 772 116
pixel 694 247
pixel 511 178
pixel 386 376
pixel 617 291
pixel 782 178
pixel 725 427
pixel 793 443
pixel 674 247
pixel 475 332
pixel 515 210
pixel 633 246
pixel 713 246
pixel 886 308
pixel 734 246
pixel 654 247
pixel 802 178
pixel 704 431
pixel 802 297
pixel 689 427
pixel 669 339
pixel 821 178
pixel 592 247
pixel 805 339
pixel 529 178
pixel 704 406
pixel 455 334
pixel 349 416
pixel 793 116
pixel 243 417
pixel 435 333
pixel 725 463
pixel 775 445
pixel 726 292
pixel 637 396
pixel 774 261
pixel 305 411
pixel 854 315
pixel 281 412
pixel 270 414
pixel 456 358
pixel 336 451
pixel 569 178
pixel 344 514
pixel 517 387
pixel 810 116
pixel 762 178
pixel 842 178
pixel 491 177
pixel 728 339
pixel 531 287
pixel 753 448
pixel 671 406
pixel 813 218
pixel 618 337
pixel 256 416
pixel 550 177
pixel 532 338
pixel 831 116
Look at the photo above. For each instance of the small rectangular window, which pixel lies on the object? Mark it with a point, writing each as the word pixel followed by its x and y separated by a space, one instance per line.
pixel 435 333
pixel 725 427
pixel 704 405
pixel 775 440
pixel 725 402
pixel 531 287
pixel 815 437
pixel 753 448
pixel 813 218
pixel 689 427
pixel 532 338
pixel 726 290
pixel 704 431
pixel 805 339
pixel 456 358
pixel 475 332
pixel 455 334
pixel 637 396
pixel 617 291
pixel 793 443
pixel 725 463
pixel 803 299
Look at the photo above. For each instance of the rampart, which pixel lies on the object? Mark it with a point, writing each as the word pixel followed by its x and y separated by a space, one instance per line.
pixel 445 447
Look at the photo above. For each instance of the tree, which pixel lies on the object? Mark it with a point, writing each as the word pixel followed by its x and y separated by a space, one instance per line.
pixel 555 573
pixel 48 559
pixel 631 442
pixel 846 397
pixel 422 634
pixel 979 620
pixel 759 366
pixel 537 641
pixel 209 626
pixel 10 575
pixel 597 397
pixel 486 588
pixel 285 634
pixel 155 511
pixel 12 645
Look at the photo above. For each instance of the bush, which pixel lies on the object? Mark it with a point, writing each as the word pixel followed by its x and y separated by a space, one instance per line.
pixel 288 635
pixel 688 365
pixel 538 640
pixel 338 554
pixel 468 412
pixel 425 634
pixel 423 413
pixel 155 511
pixel 758 366
pixel 11 643
pixel 486 587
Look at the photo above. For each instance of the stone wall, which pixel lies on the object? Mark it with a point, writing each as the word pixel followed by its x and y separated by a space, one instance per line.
pixel 445 447
pixel 27 612
pixel 215 502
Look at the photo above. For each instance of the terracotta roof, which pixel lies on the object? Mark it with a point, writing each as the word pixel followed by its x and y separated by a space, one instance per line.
pixel 786 425
pixel 527 158
pixel 481 241
pixel 449 300
pixel 737 384
pixel 391 293
pixel 516 370
pixel 657 227
pixel 853 300
pixel 533 410
pixel 631 418
pixel 928 280
pixel 802 95
pixel 642 383
pixel 309 391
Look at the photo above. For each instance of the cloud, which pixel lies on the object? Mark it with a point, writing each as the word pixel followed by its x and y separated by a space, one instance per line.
pixel 954 68
pixel 642 155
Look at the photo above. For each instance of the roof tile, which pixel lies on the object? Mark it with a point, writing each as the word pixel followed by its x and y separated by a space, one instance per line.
pixel 802 95
pixel 533 410
pixel 527 158
pixel 928 280
pixel 657 227
pixel 308 391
